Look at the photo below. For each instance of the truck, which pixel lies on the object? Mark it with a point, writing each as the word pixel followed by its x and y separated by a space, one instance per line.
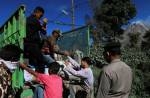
pixel 13 31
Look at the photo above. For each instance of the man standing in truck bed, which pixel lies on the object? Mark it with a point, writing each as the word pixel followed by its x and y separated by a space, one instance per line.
pixel 33 38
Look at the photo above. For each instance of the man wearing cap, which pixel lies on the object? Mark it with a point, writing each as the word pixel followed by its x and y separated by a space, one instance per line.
pixel 52 41
pixel 116 77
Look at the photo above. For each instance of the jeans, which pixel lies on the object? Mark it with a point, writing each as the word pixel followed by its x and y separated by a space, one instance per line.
pixel 39 92
pixel 48 59
pixel 76 91
pixel 32 51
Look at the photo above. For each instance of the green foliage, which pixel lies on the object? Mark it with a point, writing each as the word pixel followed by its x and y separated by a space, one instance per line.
pixel 97 53
pixel 146 42
pixel 139 61
pixel 110 15
pixel 134 39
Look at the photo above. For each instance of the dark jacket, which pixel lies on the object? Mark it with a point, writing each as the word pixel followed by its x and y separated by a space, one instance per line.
pixel 33 29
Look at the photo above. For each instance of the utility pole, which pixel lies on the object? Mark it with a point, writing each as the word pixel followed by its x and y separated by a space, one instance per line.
pixel 72 14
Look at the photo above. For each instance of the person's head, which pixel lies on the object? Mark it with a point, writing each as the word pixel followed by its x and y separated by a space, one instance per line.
pixel 38 12
pixel 54 68
pixel 11 52
pixel 86 62
pixel 56 33
pixel 112 51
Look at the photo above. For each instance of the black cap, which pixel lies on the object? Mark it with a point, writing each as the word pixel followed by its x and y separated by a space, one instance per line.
pixel 38 8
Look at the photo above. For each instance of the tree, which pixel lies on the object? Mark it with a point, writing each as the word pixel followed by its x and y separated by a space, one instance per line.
pixel 134 39
pixel 111 15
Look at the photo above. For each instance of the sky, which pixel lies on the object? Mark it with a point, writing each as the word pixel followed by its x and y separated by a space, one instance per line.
pixel 143 11
pixel 53 11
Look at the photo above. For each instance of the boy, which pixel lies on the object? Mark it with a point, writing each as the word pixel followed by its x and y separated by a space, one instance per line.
pixel 85 72
pixel 52 82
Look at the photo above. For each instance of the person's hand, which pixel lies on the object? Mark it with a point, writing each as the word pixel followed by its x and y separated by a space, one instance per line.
pixel 44 28
pixel 45 20
pixel 66 53
pixel 22 65
pixel 67 63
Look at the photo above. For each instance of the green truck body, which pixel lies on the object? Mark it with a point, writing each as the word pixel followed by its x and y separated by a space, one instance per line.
pixel 14 29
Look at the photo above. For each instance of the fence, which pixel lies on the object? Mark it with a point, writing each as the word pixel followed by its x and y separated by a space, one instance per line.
pixel 77 39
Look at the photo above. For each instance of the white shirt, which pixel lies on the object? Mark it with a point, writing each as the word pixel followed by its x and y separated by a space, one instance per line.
pixel 84 72
pixel 11 65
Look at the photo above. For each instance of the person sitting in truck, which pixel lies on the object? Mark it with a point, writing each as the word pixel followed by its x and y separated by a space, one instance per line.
pixel 50 48
pixel 52 42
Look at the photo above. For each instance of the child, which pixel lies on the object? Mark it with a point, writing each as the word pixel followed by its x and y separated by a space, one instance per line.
pixel 52 82
pixel 85 72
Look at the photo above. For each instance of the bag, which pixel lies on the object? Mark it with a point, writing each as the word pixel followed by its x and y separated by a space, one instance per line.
pixel 27 93
pixel 17 78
